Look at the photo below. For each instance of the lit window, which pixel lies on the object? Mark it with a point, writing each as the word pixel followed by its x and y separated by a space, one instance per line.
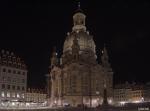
pixel 13 103
pixel 8 94
pixel 2 94
pixel 22 95
pixel 13 94
pixel 18 96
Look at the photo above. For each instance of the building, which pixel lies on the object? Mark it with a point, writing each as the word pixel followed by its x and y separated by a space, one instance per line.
pixel 147 92
pixel 122 93
pixel 131 93
pixel 35 97
pixel 77 78
pixel 13 78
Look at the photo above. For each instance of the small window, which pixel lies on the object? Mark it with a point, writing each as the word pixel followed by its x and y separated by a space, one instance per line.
pixel 8 79
pixel 9 71
pixel 14 71
pixel 14 80
pixel 23 81
pixel 8 86
pixel 23 73
pixel 18 72
pixel 13 87
pixel 4 70
pixel 18 87
pixel 3 86
pixel 22 88
pixel 82 22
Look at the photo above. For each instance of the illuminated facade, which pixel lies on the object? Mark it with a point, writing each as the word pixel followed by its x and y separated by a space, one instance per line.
pixel 131 93
pixel 147 92
pixel 13 77
pixel 35 96
pixel 76 77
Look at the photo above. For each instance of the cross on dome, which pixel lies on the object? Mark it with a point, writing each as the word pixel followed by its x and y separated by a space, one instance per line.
pixel 79 20
pixel 79 6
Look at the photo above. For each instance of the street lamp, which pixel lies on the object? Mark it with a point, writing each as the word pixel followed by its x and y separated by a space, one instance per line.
pixel 48 87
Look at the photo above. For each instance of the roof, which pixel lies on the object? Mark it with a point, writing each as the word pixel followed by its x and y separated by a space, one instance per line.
pixel 11 60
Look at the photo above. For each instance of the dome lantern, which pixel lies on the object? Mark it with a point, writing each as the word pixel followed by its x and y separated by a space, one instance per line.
pixel 79 20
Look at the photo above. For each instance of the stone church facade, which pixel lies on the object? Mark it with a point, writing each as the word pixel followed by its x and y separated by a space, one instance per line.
pixel 77 78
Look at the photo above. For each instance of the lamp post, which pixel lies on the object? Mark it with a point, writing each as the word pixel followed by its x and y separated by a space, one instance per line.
pixel 48 87
pixel 82 91
pixel 90 78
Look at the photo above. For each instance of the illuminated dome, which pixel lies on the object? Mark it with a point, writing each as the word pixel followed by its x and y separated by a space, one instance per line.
pixel 72 74
pixel 85 41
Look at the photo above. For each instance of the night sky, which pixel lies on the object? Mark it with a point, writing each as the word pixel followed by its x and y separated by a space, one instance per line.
pixel 30 28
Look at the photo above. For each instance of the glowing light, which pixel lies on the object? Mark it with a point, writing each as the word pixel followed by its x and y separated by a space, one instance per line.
pixel 95 102
pixel 136 101
pixel 13 103
pixel 142 99
pixel 97 92
pixel 18 96
pixel 3 94
pixel 110 101
pixel 15 100
pixel 122 102
pixel 27 104
pixel 55 101
pixel 8 94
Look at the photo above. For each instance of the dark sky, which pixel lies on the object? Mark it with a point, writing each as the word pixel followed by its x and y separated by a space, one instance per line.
pixel 30 28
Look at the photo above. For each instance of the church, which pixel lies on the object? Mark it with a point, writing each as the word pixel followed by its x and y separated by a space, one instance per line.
pixel 77 78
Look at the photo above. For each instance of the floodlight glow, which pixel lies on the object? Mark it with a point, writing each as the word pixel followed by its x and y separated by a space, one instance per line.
pixel 136 101
pixel 13 103
pixel 110 101
pixel 122 102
